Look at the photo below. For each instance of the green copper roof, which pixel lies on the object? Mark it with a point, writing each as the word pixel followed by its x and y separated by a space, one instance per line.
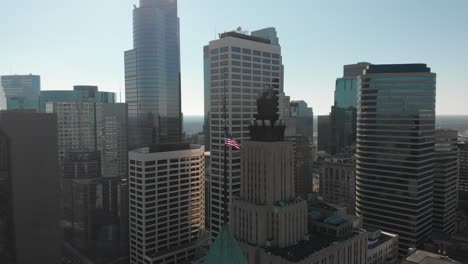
pixel 226 250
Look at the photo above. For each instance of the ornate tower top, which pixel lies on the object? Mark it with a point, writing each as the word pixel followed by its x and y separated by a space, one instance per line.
pixel 267 126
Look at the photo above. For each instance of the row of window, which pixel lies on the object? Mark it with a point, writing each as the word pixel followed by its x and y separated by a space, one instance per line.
pixel 244 51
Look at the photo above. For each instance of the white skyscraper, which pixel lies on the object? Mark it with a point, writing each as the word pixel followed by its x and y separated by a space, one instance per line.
pixel 167 203
pixel 250 64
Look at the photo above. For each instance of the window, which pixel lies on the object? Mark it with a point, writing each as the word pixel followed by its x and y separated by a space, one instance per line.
pixel 235 49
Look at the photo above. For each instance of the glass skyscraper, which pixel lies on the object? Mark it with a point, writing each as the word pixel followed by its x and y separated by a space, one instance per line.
pixel 395 151
pixel 152 75
pixel 80 93
pixel 343 113
pixel 21 91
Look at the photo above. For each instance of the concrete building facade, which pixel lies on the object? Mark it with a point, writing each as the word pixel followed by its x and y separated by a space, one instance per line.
pixel 337 182
pixel 382 247
pixel 241 67
pixel 167 203
pixel 93 156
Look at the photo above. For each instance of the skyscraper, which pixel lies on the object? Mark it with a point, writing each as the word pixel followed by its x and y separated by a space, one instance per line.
pixel 395 150
pixel 445 180
pixel 152 75
pixel 463 171
pixel 304 116
pixel 270 222
pixel 167 203
pixel 241 67
pixel 22 91
pixel 207 95
pixel 93 154
pixel 299 129
pixel 343 113
pixel 323 133
pixel 267 211
pixel 80 93
pixel 29 188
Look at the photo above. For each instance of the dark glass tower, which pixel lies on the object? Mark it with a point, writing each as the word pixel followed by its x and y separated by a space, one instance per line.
pixel 343 112
pixel 152 75
pixel 395 151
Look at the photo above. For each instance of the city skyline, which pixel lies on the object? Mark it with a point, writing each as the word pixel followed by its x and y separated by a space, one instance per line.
pixel 115 177
pixel 404 33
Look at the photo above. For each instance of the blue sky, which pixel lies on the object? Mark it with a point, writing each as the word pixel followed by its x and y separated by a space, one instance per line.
pixel 82 42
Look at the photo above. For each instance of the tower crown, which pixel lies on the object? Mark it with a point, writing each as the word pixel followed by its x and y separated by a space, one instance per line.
pixel 267 126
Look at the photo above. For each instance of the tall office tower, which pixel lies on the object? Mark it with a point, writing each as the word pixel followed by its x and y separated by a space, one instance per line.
pixel 463 171
pixel 337 182
pixel 207 189
pixel 354 70
pixel 152 75
pixel 22 91
pixel 267 211
pixel 80 93
pixel 299 129
pixel 323 133
pixel 29 188
pixel 207 95
pixel 166 203
pixel 93 154
pixel 304 116
pixel 343 113
pixel 395 151
pixel 445 181
pixel 241 66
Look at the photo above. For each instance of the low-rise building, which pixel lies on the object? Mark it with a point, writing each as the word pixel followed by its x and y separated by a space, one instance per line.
pixel 424 257
pixel 337 182
pixel 382 247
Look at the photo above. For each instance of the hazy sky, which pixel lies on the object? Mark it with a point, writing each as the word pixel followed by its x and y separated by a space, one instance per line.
pixel 82 42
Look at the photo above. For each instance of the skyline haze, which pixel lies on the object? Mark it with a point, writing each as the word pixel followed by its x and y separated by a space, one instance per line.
pixel 80 47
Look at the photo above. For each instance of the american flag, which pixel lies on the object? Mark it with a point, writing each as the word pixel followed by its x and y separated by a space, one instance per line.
pixel 228 141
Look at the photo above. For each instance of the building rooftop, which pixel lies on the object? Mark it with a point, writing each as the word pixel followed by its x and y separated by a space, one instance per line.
pixel 373 243
pixel 235 34
pixel 424 257
pixel 306 248
pixel 397 68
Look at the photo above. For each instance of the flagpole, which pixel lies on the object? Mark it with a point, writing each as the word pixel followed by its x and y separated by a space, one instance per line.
pixel 225 195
